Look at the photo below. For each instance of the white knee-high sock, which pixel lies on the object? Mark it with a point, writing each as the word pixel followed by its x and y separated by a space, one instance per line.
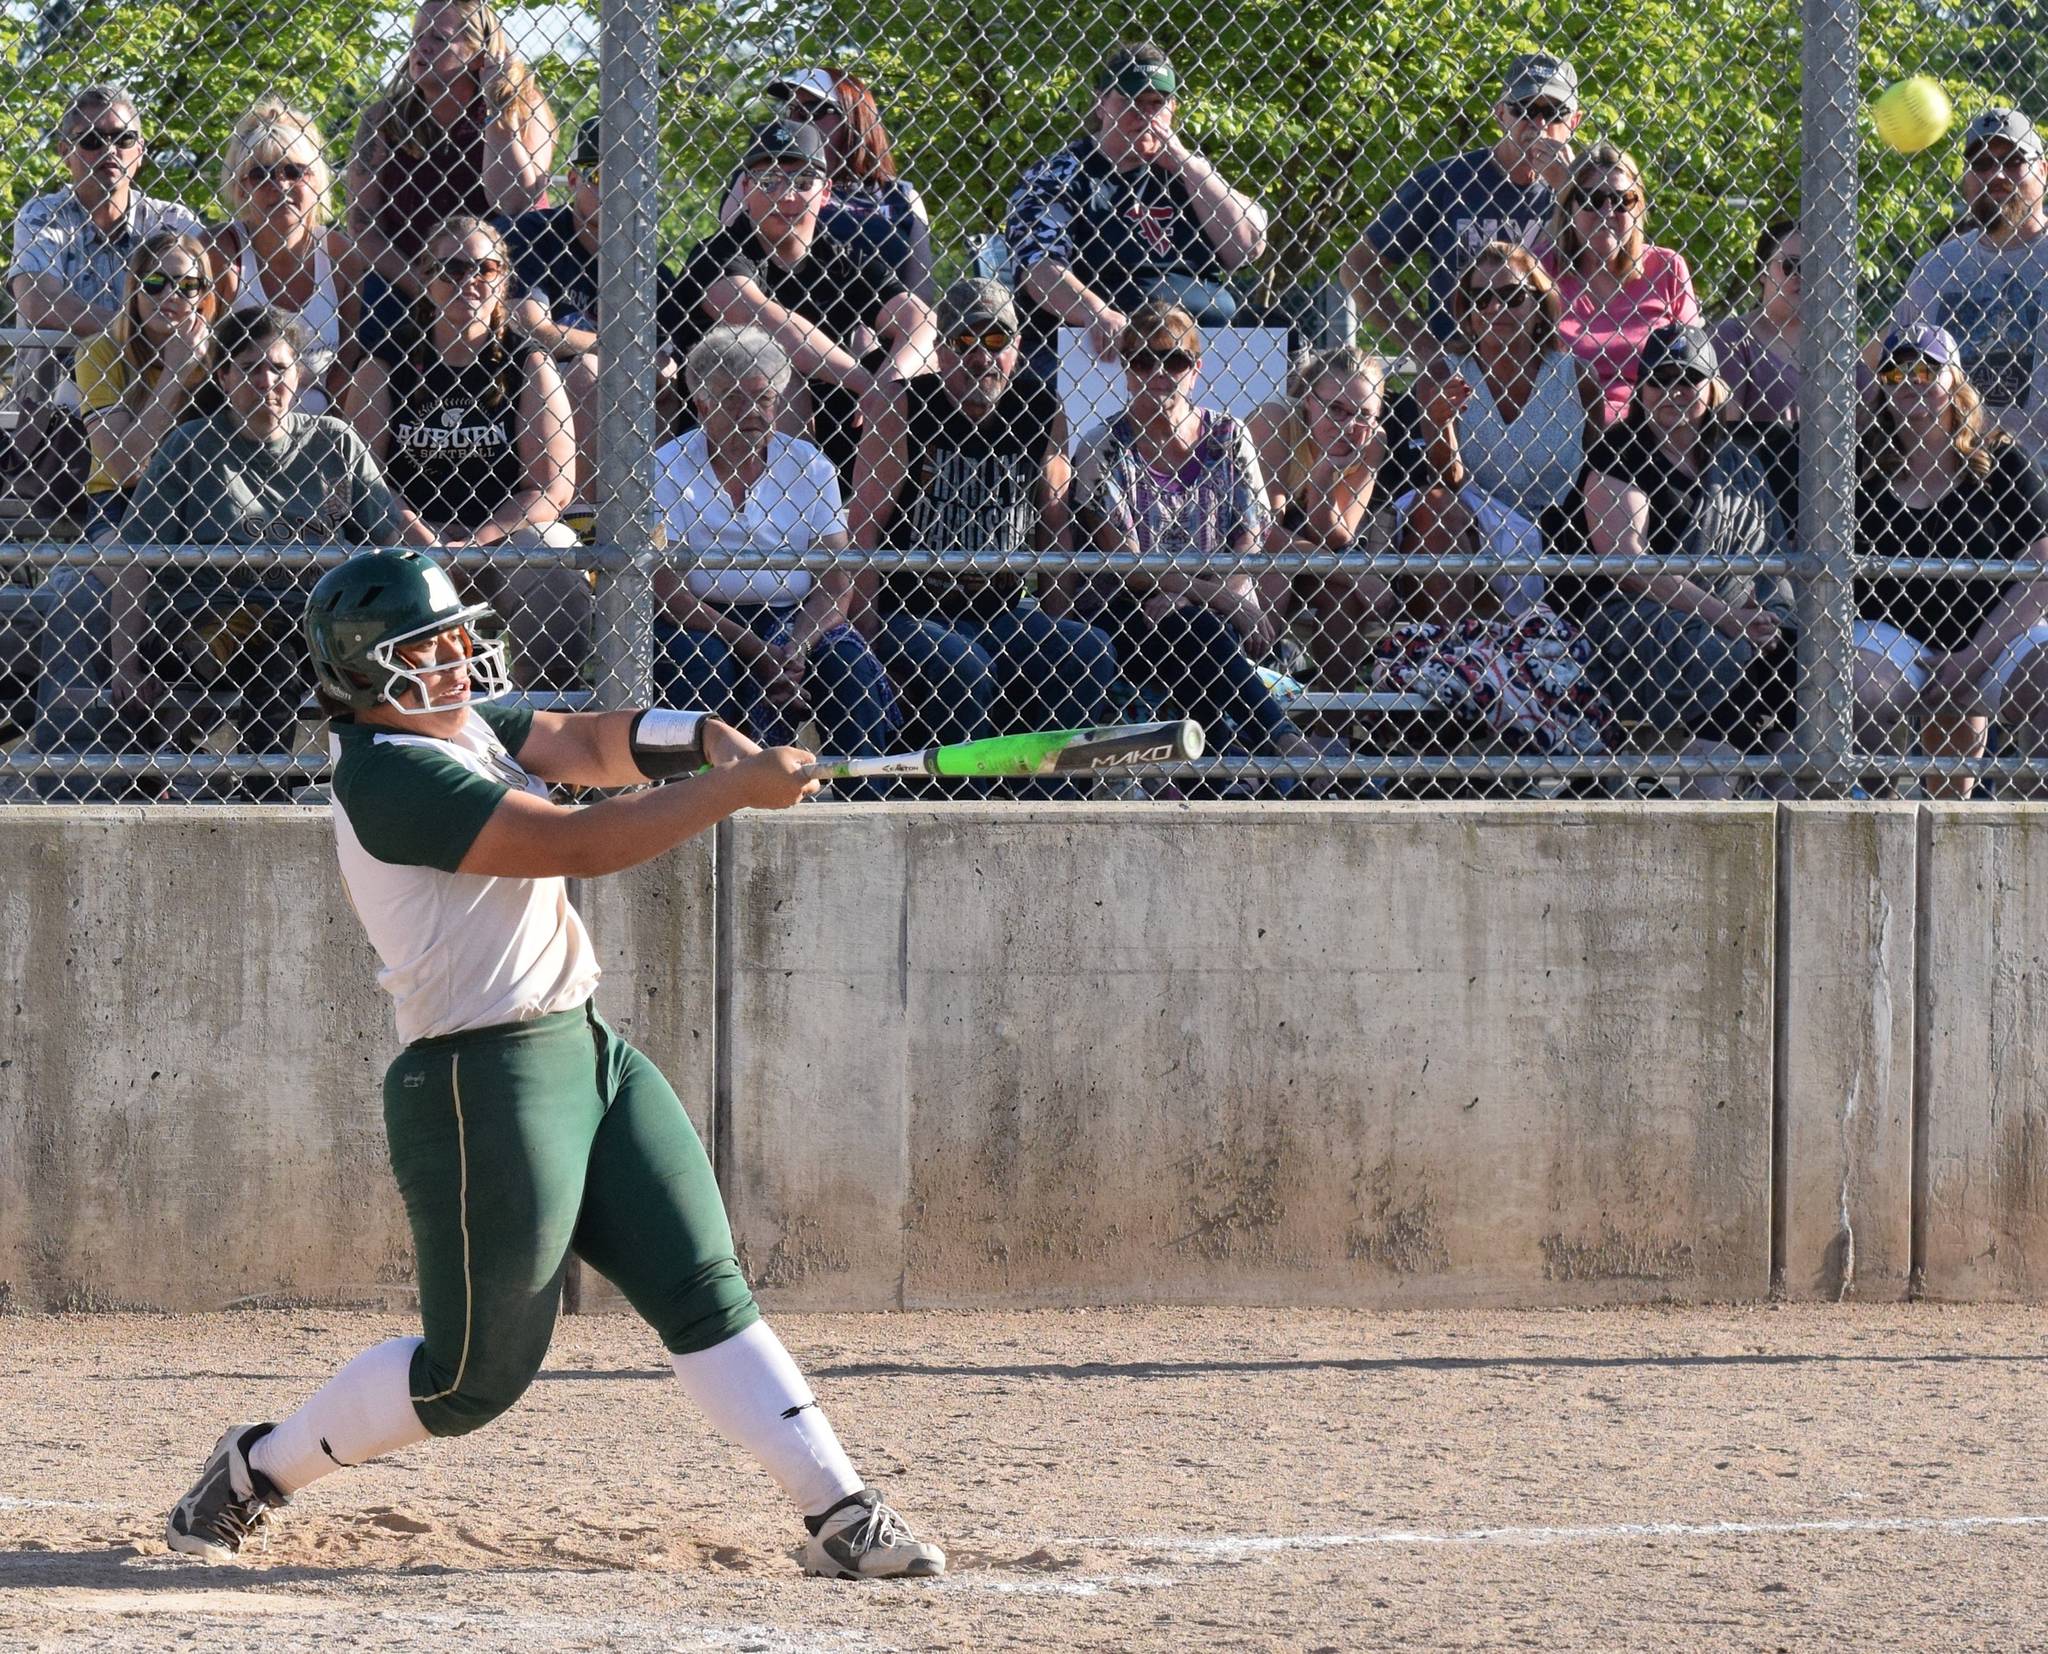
pixel 361 1412
pixel 753 1394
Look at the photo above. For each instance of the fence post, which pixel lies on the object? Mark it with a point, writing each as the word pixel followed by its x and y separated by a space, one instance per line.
pixel 629 197
pixel 1827 395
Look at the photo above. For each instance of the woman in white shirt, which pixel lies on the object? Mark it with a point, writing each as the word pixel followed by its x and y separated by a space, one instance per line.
pixel 278 248
pixel 1501 430
pixel 764 648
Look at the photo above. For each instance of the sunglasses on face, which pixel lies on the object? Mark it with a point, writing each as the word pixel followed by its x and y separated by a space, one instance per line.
pixel 1543 114
pixel 93 140
pixel 1918 370
pixel 1175 362
pixel 1789 263
pixel 1483 299
pixel 994 340
pixel 1985 161
pixel 1674 378
pixel 159 282
pixel 456 271
pixel 284 172
pixel 1610 201
pixel 593 175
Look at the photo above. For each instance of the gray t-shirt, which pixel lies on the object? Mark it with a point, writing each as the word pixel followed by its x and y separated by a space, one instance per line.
pixel 1994 300
pixel 208 484
pixel 55 235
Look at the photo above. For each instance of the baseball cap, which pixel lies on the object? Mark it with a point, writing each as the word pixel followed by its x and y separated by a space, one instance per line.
pixel 1990 126
pixel 1135 68
pixel 1539 75
pixel 975 301
pixel 1937 344
pixel 810 83
pixel 785 141
pixel 1684 347
pixel 589 150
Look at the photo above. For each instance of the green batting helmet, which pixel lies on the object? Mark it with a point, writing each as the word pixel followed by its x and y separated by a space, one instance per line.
pixel 362 611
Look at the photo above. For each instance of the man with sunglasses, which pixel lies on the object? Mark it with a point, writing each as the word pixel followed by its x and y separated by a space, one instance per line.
pixel 71 246
pixel 1987 285
pixel 1450 209
pixel 973 458
pixel 838 309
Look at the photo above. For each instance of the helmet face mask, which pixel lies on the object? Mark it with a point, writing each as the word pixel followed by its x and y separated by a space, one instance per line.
pixel 361 613
pixel 489 675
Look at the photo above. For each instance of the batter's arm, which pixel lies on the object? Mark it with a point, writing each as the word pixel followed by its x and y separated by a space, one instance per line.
pixel 528 837
pixel 595 749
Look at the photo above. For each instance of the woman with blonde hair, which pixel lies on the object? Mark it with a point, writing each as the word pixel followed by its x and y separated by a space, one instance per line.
pixel 1321 450
pixel 279 247
pixel 1615 287
pixel 473 429
pixel 1946 655
pixel 136 381
pixel 463 128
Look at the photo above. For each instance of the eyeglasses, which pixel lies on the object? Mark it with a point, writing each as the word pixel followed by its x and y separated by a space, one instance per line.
pixel 1543 114
pixel 1610 201
pixel 284 172
pixel 1176 362
pixel 1483 299
pixel 92 140
pixel 994 340
pixel 1674 376
pixel 1919 370
pixel 1789 263
pixel 456 271
pixel 785 180
pixel 1985 161
pixel 257 367
pixel 157 282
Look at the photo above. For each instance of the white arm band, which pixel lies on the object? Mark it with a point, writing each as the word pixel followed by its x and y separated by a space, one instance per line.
pixel 667 744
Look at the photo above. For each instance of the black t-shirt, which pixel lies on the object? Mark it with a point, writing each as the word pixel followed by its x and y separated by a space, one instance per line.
pixel 1119 232
pixel 970 485
pixel 550 264
pixel 840 287
pixel 455 432
pixel 1630 451
pixel 2000 515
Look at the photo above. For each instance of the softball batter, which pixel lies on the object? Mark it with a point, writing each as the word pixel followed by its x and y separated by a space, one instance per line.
pixel 521 1127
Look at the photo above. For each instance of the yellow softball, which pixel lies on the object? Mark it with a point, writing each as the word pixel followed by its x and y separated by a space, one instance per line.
pixel 1912 113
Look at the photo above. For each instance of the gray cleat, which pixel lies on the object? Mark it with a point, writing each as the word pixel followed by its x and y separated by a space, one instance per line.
pixel 229 1505
pixel 862 1538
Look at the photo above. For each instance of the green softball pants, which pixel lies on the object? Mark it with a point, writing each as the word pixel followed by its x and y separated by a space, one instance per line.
pixel 516 1147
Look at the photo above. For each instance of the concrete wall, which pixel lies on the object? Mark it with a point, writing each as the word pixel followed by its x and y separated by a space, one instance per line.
pixel 1367 1055
pixel 1381 1055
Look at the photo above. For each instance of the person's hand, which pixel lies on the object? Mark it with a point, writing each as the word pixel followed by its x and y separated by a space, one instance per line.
pixel 1549 158
pixel 1764 629
pixel 1105 333
pixel 1248 617
pixel 1174 157
pixel 135 690
pixel 184 351
pixel 781 667
pixel 1444 396
pixel 1157 605
pixel 774 779
pixel 1955 679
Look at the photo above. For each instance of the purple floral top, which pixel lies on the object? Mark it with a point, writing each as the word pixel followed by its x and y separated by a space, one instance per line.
pixel 1214 503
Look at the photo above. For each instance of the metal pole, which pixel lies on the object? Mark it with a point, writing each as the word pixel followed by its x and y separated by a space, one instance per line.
pixel 1827 396
pixel 629 212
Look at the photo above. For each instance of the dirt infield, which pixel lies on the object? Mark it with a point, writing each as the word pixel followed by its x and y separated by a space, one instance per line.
pixel 1746 1478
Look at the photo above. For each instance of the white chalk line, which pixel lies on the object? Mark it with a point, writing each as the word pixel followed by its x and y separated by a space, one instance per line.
pixel 1238 1545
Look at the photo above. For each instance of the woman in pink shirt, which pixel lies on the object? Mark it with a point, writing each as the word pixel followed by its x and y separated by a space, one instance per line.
pixel 1616 289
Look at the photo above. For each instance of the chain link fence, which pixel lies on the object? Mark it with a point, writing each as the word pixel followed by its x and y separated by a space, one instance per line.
pixel 1531 402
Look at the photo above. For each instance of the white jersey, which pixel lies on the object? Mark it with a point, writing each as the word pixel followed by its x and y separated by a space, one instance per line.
pixel 459 950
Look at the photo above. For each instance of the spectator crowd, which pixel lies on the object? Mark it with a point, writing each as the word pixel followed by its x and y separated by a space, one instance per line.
pixel 424 369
